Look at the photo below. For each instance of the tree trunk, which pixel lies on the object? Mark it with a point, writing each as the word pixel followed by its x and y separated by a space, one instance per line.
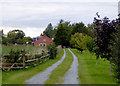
pixel 110 69
pixel 24 62
pixel 90 55
pixel 96 61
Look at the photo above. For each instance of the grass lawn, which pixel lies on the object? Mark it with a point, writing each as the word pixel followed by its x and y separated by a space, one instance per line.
pixel 19 76
pixel 89 72
pixel 0 78
pixel 58 73
pixel 30 49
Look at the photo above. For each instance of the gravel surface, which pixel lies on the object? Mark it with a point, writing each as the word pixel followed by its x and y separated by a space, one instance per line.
pixel 43 76
pixel 72 74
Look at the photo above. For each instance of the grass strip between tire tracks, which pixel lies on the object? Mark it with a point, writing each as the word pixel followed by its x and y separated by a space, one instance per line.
pixel 20 76
pixel 59 72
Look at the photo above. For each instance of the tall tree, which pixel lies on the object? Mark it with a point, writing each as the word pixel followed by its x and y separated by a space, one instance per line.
pixel 78 28
pixel 48 31
pixel 62 35
pixel 116 52
pixel 104 29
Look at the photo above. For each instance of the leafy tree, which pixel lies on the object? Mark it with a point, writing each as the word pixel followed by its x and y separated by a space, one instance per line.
pixel 62 35
pixel 27 39
pixel 90 30
pixel 78 40
pixel 14 35
pixel 116 52
pixel 78 28
pixel 104 29
pixel 90 44
pixel 4 41
pixel 48 31
pixel 19 41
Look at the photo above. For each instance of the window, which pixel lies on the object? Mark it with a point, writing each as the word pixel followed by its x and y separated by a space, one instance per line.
pixel 40 44
pixel 44 44
pixel 44 39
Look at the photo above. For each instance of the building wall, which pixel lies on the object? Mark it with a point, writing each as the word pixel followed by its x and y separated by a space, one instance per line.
pixel 41 40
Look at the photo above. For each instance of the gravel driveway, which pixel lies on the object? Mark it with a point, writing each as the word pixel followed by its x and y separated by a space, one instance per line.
pixel 43 76
pixel 72 74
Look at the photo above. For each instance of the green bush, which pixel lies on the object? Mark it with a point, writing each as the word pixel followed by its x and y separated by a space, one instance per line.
pixel 14 56
pixel 38 56
pixel 52 50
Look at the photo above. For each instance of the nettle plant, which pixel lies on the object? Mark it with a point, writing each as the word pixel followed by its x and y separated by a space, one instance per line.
pixel 106 32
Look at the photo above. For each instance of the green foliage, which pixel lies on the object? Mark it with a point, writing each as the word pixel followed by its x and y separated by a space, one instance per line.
pixel 116 55
pixel 90 30
pixel 13 56
pixel 52 51
pixel 15 35
pixel 27 39
pixel 78 40
pixel 4 41
pixel 62 36
pixel 90 44
pixel 19 41
pixel 48 31
pixel 78 28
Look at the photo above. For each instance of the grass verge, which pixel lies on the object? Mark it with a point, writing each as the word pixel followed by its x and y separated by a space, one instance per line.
pixel 0 78
pixel 58 73
pixel 11 77
pixel 89 72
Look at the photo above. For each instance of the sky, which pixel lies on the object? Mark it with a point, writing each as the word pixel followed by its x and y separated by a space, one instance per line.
pixel 33 16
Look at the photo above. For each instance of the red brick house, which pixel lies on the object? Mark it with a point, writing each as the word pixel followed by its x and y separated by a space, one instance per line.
pixel 43 41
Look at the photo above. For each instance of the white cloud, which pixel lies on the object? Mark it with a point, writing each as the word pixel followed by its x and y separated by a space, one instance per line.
pixel 32 32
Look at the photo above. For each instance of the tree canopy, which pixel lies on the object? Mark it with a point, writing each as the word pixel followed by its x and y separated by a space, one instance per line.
pixel 15 35
pixel 48 31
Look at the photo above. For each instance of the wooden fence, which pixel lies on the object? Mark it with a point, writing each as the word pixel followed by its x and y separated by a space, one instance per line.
pixel 24 64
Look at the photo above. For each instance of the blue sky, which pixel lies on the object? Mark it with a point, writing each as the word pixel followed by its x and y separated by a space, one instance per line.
pixel 33 16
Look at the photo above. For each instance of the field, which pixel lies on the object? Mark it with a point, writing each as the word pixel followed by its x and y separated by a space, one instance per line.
pixel 89 72
pixel 30 49
pixel 11 77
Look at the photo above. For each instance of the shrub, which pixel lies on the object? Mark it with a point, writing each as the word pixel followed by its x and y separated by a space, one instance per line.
pixel 13 56
pixel 52 50
pixel 38 56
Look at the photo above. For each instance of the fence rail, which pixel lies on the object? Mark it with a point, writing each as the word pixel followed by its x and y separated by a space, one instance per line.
pixel 24 64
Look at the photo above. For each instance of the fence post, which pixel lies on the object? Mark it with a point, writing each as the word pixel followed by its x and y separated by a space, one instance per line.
pixel 24 64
